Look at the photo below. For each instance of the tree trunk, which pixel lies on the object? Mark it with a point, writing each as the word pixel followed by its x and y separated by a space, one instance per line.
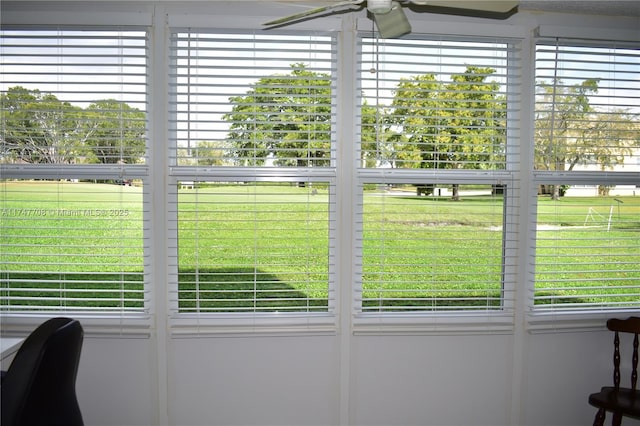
pixel 455 192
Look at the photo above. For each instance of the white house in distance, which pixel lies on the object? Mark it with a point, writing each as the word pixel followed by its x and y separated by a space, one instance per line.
pixel 631 164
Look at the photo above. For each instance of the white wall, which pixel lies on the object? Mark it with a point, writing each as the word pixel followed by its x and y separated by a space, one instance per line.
pixel 115 381
pixel 409 378
pixel 394 380
pixel 255 380
pixel 435 380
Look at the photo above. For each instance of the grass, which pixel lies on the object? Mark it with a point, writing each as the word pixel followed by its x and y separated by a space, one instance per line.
pixel 589 255
pixel 248 248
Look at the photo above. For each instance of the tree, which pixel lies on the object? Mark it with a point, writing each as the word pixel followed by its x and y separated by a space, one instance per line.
pixel 477 126
pixel 414 117
pixel 210 153
pixel 39 128
pixel 284 118
pixel 114 132
pixel 458 125
pixel 477 136
pixel 374 136
pixel 571 132
pixel 610 138
pixel 561 115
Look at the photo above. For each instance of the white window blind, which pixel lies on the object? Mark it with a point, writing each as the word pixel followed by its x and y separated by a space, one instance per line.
pixel 429 253
pixel 74 96
pixel 437 157
pixel 587 168
pixel 252 99
pixel 253 155
pixel 254 247
pixel 72 169
pixel 438 103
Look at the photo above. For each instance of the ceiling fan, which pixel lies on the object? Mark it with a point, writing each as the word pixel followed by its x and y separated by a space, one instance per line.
pixel 391 20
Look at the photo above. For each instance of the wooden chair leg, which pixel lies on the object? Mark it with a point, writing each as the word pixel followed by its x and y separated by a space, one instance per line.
pixel 599 420
pixel 617 419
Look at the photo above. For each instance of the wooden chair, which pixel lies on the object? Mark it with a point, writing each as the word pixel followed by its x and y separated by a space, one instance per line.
pixel 619 400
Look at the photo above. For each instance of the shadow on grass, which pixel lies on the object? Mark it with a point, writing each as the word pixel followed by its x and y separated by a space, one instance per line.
pixel 208 290
pixel 560 298
pixel 226 290
pixel 481 302
pixel 81 290
pixel 242 290
pixel 484 199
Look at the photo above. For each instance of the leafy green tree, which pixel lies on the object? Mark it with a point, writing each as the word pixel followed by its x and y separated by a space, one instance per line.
pixel 610 137
pixel 561 116
pixel 571 132
pixel 374 138
pixel 415 117
pixel 477 131
pixel 114 132
pixel 477 128
pixel 458 125
pixel 284 118
pixel 210 153
pixel 39 128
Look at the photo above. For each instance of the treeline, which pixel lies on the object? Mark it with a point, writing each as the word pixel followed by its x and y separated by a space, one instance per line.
pixel 286 120
pixel 40 128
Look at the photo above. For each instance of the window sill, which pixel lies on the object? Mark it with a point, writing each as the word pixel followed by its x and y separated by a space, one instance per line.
pixel 102 325
pixel 441 323
pixel 571 321
pixel 192 325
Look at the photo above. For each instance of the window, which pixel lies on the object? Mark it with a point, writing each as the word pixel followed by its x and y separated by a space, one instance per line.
pixel 73 161
pixel 251 189
pixel 436 173
pixel 254 247
pixel 586 168
pixel 253 172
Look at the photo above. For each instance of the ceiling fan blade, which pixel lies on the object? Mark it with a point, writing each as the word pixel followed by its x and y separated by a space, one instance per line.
pixel 482 9
pixel 311 13
pixel 497 6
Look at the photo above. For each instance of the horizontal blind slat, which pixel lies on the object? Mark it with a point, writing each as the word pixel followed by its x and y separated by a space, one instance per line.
pixel 426 114
pixel 587 252
pixel 69 243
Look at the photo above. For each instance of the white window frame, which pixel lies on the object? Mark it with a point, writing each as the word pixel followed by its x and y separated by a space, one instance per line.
pixel 498 320
pixel 159 173
pixel 544 320
pixel 194 323
pixel 135 323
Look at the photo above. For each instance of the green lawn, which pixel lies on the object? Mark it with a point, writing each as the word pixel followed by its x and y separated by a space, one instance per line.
pixel 588 252
pixel 257 248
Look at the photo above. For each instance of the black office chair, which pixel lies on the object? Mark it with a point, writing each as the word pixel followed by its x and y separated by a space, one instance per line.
pixel 39 388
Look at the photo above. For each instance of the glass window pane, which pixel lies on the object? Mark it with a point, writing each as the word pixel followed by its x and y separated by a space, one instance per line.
pixel 69 245
pixel 588 249
pixel 253 247
pixel 432 247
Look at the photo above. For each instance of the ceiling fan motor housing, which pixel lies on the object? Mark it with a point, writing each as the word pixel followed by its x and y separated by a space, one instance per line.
pixel 378 6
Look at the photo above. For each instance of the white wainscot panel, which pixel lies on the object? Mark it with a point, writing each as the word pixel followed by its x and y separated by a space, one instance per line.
pixel 114 383
pixel 432 380
pixel 563 369
pixel 255 381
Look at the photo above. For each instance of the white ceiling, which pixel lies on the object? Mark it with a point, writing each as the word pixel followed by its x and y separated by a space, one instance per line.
pixel 595 7
pixel 629 8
